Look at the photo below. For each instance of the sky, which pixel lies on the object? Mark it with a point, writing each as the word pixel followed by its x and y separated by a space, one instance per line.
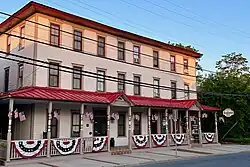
pixel 213 27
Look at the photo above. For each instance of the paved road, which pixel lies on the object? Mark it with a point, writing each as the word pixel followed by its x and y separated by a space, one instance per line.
pixel 229 160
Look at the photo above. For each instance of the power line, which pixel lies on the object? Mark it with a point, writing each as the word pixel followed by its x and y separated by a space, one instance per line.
pixel 66 48
pixel 214 21
pixel 164 16
pixel 95 75
pixel 111 45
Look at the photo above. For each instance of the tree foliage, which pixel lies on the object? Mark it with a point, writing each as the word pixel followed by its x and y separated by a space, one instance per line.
pixel 188 47
pixel 232 78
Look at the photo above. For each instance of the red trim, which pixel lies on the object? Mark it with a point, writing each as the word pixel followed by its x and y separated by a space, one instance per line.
pixel 33 156
pixel 140 147
pixel 156 144
pixel 208 108
pixel 34 7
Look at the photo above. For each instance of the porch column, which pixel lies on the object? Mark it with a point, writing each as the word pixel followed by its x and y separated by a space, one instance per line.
pixel 81 128
pixel 49 128
pixel 149 127
pixel 129 128
pixel 166 123
pixel 108 126
pixel 216 128
pixel 187 127
pixel 11 106
pixel 199 123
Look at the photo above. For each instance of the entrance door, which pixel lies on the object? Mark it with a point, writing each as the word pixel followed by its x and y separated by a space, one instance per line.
pixel 194 128
pixel 100 122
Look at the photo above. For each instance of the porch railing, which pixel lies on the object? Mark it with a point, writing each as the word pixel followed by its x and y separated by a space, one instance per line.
pixel 87 144
pixel 3 145
pixel 208 137
pixel 14 153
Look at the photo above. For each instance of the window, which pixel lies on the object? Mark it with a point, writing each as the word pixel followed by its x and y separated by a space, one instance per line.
pixel 156 88
pixel 136 54
pixel 8 44
pixel 21 40
pixel 122 124
pixel 185 65
pixel 77 77
pixel 20 75
pixel 121 82
pixel 186 91
pixel 121 51
pixel 173 90
pixel 54 34
pixel 156 59
pixel 54 74
pixel 172 63
pixel 6 79
pixel 77 40
pixel 137 123
pixel 101 46
pixel 75 124
pixel 163 123
pixel 100 80
pixel 137 87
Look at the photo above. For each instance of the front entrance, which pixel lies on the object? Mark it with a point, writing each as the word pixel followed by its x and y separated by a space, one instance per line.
pixel 194 127
pixel 100 122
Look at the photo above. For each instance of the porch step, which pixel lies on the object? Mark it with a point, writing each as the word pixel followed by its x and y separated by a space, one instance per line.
pixel 119 150
pixel 196 145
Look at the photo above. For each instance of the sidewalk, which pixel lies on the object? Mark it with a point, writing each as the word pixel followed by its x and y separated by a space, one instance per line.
pixel 143 156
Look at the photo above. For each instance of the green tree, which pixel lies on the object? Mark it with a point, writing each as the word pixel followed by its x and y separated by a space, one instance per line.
pixel 232 77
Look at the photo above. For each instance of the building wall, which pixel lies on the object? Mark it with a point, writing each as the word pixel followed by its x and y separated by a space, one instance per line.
pixel 27 51
pixel 111 65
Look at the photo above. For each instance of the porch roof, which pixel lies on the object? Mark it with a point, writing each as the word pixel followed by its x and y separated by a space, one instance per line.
pixel 58 94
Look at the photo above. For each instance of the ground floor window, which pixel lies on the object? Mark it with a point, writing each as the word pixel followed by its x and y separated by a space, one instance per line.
pixel 163 123
pixel 75 123
pixel 137 124
pixel 122 124
pixel 100 122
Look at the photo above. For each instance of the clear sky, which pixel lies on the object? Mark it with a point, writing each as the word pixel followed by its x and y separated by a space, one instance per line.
pixel 214 27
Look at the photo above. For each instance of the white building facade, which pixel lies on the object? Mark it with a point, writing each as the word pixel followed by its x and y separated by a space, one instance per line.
pixel 84 82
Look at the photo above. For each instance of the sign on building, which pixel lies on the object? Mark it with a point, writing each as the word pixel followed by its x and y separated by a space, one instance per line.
pixel 228 112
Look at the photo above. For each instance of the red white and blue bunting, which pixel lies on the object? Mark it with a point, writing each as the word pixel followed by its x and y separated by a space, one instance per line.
pixel 178 138
pixel 209 137
pixel 99 143
pixel 65 146
pixel 29 148
pixel 159 139
pixel 140 140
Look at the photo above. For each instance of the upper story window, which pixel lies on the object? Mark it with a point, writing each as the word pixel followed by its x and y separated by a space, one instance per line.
pixel 185 65
pixel 156 59
pixel 156 87
pixel 54 34
pixel 77 77
pixel 20 75
pixel 22 35
pixel 173 90
pixel 54 74
pixel 77 40
pixel 8 44
pixel 121 51
pixel 137 85
pixel 121 82
pixel 101 46
pixel 186 91
pixel 101 80
pixel 172 63
pixel 137 54
pixel 6 79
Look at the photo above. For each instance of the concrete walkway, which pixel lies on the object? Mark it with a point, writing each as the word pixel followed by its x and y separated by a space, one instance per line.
pixel 138 157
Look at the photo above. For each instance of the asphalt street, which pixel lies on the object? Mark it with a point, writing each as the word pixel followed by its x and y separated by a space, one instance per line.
pixel 229 160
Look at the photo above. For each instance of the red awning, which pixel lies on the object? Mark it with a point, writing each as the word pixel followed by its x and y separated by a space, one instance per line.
pixel 49 93
pixel 208 108
pixel 46 93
